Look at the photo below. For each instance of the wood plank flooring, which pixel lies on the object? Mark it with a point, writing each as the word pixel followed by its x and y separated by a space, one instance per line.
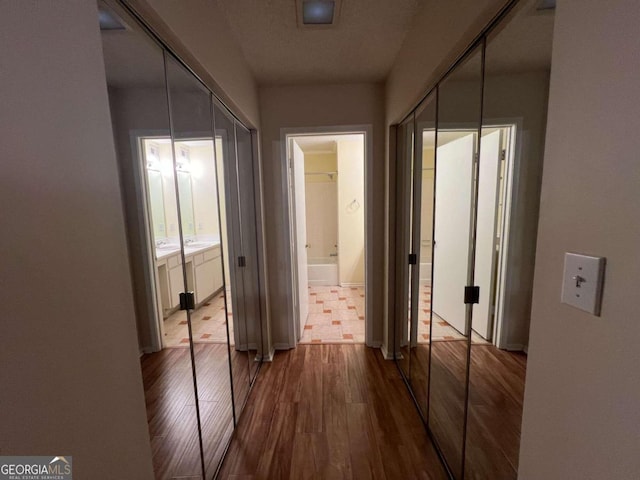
pixel 330 411
pixel 171 411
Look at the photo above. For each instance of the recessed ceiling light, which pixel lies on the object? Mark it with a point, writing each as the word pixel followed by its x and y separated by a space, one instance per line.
pixel 546 4
pixel 108 20
pixel 318 12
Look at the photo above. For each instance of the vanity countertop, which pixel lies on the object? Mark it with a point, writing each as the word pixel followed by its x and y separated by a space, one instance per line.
pixel 189 249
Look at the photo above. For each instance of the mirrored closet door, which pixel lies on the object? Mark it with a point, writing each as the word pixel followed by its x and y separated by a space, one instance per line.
pixel 423 177
pixel 404 218
pixel 176 148
pixel 485 143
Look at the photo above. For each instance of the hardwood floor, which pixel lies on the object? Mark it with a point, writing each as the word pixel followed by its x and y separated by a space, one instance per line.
pixel 496 393
pixel 330 411
pixel 171 411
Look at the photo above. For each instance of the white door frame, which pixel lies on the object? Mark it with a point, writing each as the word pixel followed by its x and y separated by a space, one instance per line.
pixel 290 249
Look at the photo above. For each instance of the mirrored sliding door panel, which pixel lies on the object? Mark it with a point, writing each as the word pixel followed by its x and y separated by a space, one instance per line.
pixel 516 83
pixel 404 218
pixel 250 282
pixel 226 157
pixel 141 123
pixel 422 242
pixel 195 167
pixel 459 110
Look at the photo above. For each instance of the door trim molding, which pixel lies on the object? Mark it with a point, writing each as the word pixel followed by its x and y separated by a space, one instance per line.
pixel 285 133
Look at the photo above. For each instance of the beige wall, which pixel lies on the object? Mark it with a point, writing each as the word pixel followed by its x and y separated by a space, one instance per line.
pixel 197 30
pixel 581 415
pixel 317 106
pixel 70 373
pixel 440 33
pixel 351 211
pixel 321 203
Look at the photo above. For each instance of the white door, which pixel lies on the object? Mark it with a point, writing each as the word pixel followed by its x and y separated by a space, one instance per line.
pixel 488 185
pixel 301 234
pixel 454 179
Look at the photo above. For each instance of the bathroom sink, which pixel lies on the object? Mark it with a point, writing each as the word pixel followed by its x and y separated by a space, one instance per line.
pixel 168 246
pixel 198 244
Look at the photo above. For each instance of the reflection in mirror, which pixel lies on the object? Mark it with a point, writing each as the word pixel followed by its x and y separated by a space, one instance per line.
pixel 155 191
pixel 193 147
pixel 425 135
pixel 134 68
pixel 459 103
pixel 251 292
pixel 404 219
pixel 516 82
pixel 227 168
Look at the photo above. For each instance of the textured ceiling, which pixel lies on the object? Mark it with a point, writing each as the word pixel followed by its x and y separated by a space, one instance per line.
pixel 362 46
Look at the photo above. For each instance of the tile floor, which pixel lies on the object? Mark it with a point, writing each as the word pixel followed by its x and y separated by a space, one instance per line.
pixel 336 315
pixel 441 331
pixel 208 324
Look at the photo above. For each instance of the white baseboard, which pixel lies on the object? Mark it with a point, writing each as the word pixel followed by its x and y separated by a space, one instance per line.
pixel 349 284
pixel 525 349
pixel 375 344
pixel 281 346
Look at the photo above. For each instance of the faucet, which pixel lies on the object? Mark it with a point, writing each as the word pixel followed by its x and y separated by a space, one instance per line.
pixel 159 243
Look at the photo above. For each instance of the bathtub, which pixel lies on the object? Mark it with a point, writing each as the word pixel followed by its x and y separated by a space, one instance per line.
pixel 425 273
pixel 323 270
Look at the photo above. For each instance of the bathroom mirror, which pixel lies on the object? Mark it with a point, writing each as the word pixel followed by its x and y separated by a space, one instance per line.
pixel 459 109
pixel 516 84
pixel 186 203
pixel 156 202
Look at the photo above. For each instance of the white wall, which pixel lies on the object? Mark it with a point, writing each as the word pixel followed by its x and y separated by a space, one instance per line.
pixel 351 211
pixel 70 373
pixel 581 416
pixel 317 106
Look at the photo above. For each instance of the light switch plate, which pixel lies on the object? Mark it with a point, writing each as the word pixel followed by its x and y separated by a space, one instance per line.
pixel 582 282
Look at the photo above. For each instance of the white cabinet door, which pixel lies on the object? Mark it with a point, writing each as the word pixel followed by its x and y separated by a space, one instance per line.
pixel 217 274
pixel 205 280
pixel 176 285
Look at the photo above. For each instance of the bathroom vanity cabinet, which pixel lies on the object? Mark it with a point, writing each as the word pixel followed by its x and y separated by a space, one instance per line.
pixel 203 267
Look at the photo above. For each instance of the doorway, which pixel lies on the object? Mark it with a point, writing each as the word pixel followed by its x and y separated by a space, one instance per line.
pixel 327 211
pixel 453 196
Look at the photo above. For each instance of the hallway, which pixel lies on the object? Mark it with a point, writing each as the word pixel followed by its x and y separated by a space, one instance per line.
pixel 330 411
